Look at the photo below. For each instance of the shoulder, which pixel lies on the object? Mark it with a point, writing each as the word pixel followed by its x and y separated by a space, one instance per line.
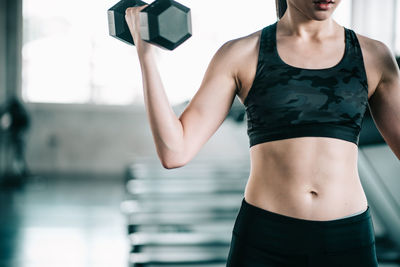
pixel 236 49
pixel 242 43
pixel 376 51
pixel 372 45
pixel 239 55
pixel 380 62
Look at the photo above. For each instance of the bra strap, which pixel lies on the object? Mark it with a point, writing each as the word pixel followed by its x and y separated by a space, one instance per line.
pixel 354 45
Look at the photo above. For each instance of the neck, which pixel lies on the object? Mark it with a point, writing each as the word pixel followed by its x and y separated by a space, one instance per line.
pixel 294 22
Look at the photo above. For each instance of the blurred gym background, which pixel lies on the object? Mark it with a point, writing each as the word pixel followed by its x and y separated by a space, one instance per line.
pixel 80 182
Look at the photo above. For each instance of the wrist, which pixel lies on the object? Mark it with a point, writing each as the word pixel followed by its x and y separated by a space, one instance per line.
pixel 144 49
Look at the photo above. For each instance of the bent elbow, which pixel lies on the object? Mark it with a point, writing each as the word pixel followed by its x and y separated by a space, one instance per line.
pixel 169 164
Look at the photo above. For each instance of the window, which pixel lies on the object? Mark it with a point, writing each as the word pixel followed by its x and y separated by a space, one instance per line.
pixel 68 56
pixel 378 20
pixel 343 13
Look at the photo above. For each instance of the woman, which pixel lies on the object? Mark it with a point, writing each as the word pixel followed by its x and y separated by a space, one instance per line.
pixel 306 82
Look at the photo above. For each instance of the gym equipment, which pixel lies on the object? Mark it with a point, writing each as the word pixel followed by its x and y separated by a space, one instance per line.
pixel 14 124
pixel 206 255
pixel 117 25
pixel 179 186
pixel 165 23
pixel 182 216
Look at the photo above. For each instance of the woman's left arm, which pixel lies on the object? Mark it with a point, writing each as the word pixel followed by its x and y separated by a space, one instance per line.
pixel 385 102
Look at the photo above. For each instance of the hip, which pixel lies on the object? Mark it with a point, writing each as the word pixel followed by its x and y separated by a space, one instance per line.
pixel 264 238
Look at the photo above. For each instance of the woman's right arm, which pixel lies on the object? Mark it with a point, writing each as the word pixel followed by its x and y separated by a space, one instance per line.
pixel 178 140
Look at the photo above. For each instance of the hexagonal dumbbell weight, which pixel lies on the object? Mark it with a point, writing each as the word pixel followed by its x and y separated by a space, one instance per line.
pixel 165 23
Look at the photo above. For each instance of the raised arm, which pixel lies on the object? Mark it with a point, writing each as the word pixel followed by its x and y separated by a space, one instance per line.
pixel 385 102
pixel 178 140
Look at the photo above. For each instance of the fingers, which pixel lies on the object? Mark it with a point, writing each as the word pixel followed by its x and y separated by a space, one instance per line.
pixel 134 10
pixel 132 14
pixel 132 20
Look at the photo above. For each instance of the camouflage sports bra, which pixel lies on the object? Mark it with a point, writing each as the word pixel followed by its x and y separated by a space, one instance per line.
pixel 287 102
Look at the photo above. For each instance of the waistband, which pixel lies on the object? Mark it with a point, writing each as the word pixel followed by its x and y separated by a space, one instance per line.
pixel 265 229
pixel 272 216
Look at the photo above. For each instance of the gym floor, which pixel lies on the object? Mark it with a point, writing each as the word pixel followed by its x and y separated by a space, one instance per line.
pixel 65 221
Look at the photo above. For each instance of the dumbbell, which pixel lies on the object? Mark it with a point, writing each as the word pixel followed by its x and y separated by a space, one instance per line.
pixel 165 23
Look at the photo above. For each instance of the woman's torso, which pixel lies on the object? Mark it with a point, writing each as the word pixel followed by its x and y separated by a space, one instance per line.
pixel 313 178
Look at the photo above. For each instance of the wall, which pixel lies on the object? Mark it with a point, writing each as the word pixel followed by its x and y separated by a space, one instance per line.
pixel 103 139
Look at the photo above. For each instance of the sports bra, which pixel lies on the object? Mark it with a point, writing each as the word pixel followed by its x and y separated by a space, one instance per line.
pixel 286 102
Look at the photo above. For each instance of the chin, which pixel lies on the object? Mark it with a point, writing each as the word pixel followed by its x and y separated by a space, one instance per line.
pixel 320 17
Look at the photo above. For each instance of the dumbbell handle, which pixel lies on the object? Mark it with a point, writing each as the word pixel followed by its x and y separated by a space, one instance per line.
pixel 117 25
pixel 142 28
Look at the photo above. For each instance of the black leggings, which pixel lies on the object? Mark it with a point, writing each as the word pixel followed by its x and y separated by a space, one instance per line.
pixel 262 238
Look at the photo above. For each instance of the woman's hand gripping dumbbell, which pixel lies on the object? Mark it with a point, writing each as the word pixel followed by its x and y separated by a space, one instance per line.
pixel 165 23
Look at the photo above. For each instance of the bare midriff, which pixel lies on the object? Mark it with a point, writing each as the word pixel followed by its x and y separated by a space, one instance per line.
pixel 311 178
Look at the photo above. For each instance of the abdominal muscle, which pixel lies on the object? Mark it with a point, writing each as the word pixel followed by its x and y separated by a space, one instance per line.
pixel 311 178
